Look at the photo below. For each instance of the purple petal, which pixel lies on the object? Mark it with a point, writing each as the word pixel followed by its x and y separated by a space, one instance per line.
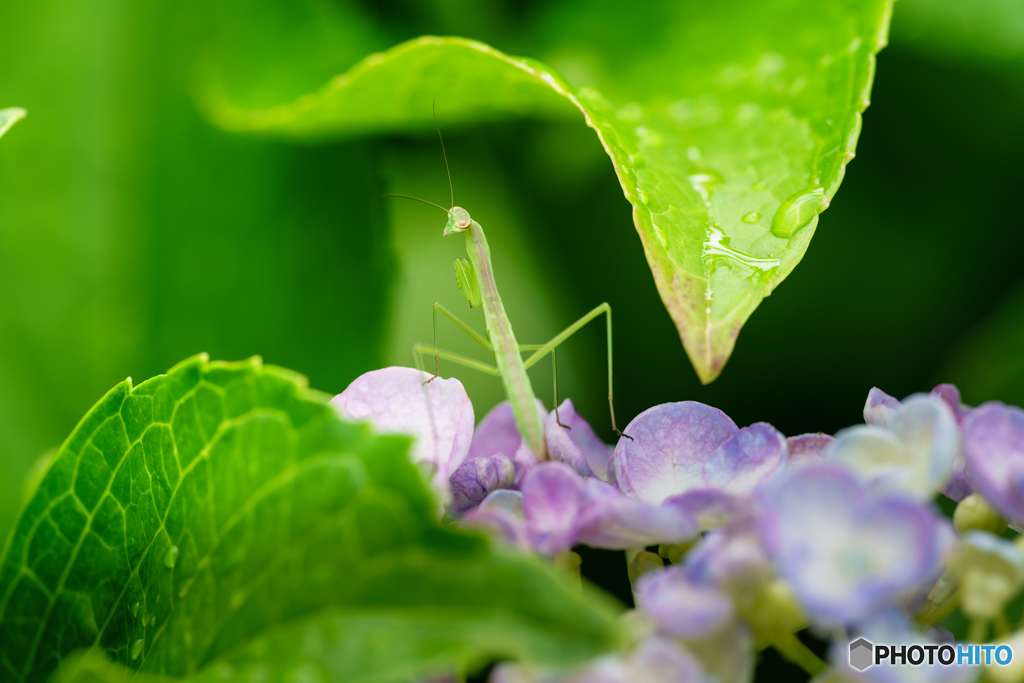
pixel 502 513
pixel 610 520
pixel 993 445
pixel 661 660
pixel 807 447
pixel 680 607
pixel 951 396
pixel 497 433
pixel 394 400
pixel 668 448
pixel 748 458
pixel 732 559
pixel 846 552
pixel 477 477
pixel 579 447
pixel 879 407
pixel 959 486
pixel 710 507
pixel 913 454
pixel 552 499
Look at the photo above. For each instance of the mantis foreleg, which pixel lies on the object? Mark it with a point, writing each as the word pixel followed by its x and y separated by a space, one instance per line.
pixel 477 337
pixel 573 329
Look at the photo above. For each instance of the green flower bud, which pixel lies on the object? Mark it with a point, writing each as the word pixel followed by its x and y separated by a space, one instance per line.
pixel 974 512
pixel 675 553
pixel 642 563
pixel 1014 671
pixel 774 609
pixel 990 571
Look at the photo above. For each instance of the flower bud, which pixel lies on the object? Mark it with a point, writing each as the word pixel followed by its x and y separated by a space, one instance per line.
pixel 643 562
pixel 990 571
pixel 675 552
pixel 1014 671
pixel 775 609
pixel 974 512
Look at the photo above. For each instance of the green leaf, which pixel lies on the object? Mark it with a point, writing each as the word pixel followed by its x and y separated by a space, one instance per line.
pixel 8 117
pixel 729 126
pixel 223 511
pixel 135 233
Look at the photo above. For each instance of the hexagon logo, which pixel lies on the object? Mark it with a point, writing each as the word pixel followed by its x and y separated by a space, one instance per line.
pixel 861 654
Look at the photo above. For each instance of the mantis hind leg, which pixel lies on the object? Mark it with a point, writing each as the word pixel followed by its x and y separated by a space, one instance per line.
pixel 550 346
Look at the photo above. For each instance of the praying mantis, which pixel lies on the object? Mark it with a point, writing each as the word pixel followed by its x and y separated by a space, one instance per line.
pixel 475 276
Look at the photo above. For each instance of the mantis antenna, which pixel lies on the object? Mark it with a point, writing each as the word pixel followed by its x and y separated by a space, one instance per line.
pixel 416 199
pixel 433 108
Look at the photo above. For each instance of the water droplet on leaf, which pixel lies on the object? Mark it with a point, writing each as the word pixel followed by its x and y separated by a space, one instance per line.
pixel 135 610
pixel 702 182
pixel 147 618
pixel 137 648
pixel 751 217
pixel 797 211
pixel 172 557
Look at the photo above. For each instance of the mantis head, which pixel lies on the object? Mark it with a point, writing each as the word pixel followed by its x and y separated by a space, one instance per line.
pixel 458 220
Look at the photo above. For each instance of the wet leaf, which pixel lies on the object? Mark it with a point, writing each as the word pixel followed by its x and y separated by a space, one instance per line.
pixel 223 514
pixel 8 117
pixel 729 127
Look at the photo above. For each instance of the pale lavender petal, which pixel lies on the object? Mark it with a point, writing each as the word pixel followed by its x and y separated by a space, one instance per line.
pixel 808 447
pixel 879 407
pixel 959 486
pixel 732 559
pixel 501 512
pixel 394 400
pixel 847 552
pixel 951 396
pixel 477 477
pixel 914 454
pixel 748 458
pixel 661 660
pixel 552 499
pixel 681 607
pixel 578 446
pixel 993 444
pixel 669 446
pixel 610 520
pixel 710 507
pixel 928 429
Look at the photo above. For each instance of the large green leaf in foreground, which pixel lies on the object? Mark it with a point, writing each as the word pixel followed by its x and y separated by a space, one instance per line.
pixel 8 117
pixel 729 126
pixel 223 516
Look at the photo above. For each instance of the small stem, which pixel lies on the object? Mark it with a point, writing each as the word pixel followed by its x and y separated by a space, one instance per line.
pixel 790 647
pixel 978 631
pixel 943 598
pixel 1002 625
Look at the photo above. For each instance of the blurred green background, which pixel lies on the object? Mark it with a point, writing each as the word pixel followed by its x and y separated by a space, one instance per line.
pixel 133 233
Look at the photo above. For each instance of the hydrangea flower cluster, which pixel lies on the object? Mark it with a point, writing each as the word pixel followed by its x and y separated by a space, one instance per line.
pixel 764 535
